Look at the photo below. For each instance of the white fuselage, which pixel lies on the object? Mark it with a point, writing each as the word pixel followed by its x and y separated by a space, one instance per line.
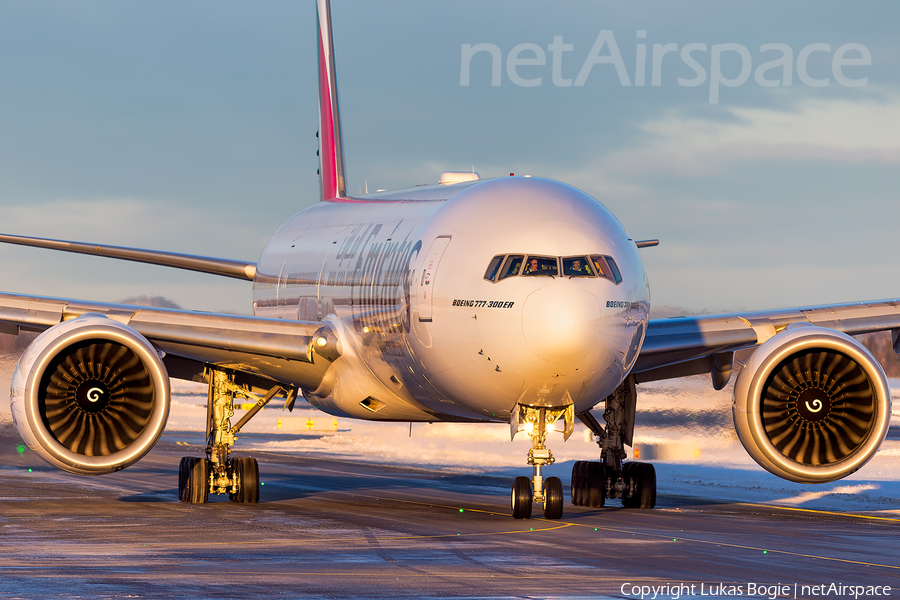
pixel 425 336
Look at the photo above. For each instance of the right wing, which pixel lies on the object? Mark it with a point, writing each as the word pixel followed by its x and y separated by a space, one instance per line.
pixel 203 264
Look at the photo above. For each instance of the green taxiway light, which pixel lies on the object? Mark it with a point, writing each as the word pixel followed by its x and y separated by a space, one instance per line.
pixel 460 510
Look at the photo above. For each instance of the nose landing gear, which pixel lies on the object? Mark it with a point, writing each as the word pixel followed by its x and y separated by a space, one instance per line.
pixel 537 422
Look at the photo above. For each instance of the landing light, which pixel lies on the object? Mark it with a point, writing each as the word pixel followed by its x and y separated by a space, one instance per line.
pixel 321 341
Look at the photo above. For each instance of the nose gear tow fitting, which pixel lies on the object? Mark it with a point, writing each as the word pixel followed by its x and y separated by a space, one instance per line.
pixel 218 473
pixel 537 422
pixel 632 482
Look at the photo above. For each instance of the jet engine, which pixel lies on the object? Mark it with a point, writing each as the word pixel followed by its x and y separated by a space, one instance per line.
pixel 90 395
pixel 811 404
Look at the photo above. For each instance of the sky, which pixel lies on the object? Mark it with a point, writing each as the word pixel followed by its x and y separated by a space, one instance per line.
pixel 760 145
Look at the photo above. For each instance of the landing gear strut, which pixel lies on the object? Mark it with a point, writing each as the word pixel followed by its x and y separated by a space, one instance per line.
pixel 218 473
pixel 633 482
pixel 537 422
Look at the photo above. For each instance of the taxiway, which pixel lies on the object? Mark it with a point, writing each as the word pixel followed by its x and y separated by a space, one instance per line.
pixel 329 528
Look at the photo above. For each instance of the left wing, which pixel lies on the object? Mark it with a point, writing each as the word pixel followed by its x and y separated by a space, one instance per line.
pixel 810 403
pixel 681 346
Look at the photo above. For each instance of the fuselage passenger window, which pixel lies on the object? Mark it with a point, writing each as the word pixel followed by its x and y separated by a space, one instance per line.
pixel 491 273
pixel 541 265
pixel 511 266
pixel 577 266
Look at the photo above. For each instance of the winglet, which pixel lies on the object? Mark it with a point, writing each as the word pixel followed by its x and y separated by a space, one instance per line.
pixel 331 161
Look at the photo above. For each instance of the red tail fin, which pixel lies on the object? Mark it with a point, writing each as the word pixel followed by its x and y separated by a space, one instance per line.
pixel 331 161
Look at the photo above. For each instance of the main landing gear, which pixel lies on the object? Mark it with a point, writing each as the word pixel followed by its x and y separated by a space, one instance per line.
pixel 537 422
pixel 632 482
pixel 218 473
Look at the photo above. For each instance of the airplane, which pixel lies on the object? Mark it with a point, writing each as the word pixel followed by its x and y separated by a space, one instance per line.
pixel 455 302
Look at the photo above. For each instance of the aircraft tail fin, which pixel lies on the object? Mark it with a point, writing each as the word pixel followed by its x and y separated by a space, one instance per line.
pixel 331 161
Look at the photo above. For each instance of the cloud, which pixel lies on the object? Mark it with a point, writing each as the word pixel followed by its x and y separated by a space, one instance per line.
pixel 830 130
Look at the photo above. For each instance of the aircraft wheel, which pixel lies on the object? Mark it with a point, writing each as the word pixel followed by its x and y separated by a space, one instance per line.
pixel 521 498
pixel 193 480
pixel 577 486
pixel 595 488
pixel 246 471
pixel 553 498
pixel 644 477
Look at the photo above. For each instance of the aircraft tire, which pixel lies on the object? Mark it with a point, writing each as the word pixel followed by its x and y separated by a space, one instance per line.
pixel 193 475
pixel 553 498
pixel 246 471
pixel 521 498
pixel 595 485
pixel 577 486
pixel 644 477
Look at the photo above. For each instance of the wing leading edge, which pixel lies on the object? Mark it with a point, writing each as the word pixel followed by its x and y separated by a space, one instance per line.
pixel 271 348
pixel 681 346
pixel 203 264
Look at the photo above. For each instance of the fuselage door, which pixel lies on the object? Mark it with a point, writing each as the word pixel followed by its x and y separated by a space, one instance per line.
pixel 429 272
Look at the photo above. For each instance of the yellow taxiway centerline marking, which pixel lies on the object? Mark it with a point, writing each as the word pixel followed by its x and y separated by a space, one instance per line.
pixel 820 512
pixel 725 544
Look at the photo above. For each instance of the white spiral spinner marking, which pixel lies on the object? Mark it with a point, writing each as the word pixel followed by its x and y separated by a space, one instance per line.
pixel 815 403
pixel 95 394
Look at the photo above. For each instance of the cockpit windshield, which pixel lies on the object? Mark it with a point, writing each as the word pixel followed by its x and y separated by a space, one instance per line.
pixel 503 266
pixel 577 266
pixel 512 265
pixel 541 265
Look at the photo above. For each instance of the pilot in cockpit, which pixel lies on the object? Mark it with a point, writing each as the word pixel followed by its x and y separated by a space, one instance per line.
pixel 575 267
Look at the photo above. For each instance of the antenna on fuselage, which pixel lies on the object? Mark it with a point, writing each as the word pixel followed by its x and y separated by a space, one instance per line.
pixel 331 160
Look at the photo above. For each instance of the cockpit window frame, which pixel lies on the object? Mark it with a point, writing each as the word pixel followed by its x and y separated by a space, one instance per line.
pixel 504 266
pixel 510 259
pixel 586 261
pixel 493 269
pixel 606 268
pixel 543 271
pixel 617 275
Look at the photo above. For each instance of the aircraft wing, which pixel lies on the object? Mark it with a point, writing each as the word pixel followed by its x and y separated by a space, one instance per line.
pixel 190 262
pixel 275 349
pixel 680 346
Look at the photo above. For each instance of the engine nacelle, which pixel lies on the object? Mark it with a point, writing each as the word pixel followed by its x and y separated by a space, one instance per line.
pixel 90 395
pixel 811 405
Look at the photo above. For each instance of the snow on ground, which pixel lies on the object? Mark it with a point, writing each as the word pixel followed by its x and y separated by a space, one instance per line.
pixel 683 426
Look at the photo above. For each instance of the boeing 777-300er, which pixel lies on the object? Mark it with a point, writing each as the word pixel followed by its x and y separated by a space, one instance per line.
pixel 413 305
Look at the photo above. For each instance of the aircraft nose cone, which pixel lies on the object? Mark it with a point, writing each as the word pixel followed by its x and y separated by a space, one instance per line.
pixel 561 322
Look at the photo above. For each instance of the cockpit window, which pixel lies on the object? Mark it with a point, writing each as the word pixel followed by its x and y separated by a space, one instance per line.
pixel 503 266
pixel 512 265
pixel 601 266
pixel 541 265
pixel 617 277
pixel 606 267
pixel 491 273
pixel 577 266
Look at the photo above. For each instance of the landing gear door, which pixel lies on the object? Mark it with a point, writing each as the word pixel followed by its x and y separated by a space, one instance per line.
pixel 429 271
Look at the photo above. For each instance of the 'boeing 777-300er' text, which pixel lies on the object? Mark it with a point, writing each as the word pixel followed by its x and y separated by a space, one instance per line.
pixel 412 305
